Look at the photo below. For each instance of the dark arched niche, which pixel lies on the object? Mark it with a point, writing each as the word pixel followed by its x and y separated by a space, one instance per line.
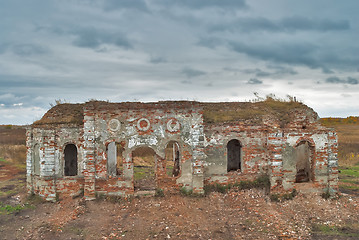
pixel 234 148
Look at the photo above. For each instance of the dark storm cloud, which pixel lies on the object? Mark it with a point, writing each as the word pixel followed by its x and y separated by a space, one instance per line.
pixel 292 53
pixel 289 24
pixel 254 81
pixel 337 80
pixel 93 38
pixel 190 72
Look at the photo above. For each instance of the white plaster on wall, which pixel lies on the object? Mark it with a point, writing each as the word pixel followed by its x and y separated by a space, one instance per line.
pixel 320 140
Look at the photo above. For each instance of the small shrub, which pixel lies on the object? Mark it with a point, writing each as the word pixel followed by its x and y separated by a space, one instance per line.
pixel 34 199
pixel 113 199
pixel 100 196
pixel 186 192
pixel 159 193
pixel 221 188
pixel 80 194
pixel 275 197
pixel 8 209
pixel 326 194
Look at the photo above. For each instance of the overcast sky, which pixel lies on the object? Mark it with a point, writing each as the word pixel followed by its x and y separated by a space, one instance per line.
pixel 204 50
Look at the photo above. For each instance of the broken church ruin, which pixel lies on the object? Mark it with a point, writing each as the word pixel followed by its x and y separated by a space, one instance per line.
pixel 123 148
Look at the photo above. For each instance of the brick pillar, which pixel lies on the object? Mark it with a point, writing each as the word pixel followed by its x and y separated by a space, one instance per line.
pixel 89 154
pixel 333 162
pixel 197 134
pixel 47 165
pixel 275 146
pixel 29 161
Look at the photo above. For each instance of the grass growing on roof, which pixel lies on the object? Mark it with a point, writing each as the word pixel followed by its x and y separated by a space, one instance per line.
pixel 252 111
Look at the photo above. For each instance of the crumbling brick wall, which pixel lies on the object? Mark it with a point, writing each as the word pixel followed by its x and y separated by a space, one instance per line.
pixel 262 145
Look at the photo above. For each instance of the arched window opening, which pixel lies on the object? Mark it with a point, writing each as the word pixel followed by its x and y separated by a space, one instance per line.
pixel 70 153
pixel 114 159
pixel 144 163
pixel 234 155
pixel 303 157
pixel 172 153
pixel 36 159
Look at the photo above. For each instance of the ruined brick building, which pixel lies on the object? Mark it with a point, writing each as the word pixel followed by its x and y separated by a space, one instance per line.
pixel 122 148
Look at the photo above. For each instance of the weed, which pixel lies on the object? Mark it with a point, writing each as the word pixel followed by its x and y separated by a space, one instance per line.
pixel 80 194
pixel 262 182
pixel 57 197
pixel 100 196
pixel 344 231
pixel 159 192
pixel 326 194
pixel 113 199
pixel 8 209
pixel 34 199
pixel 186 192
pixel 276 197
pixel 222 188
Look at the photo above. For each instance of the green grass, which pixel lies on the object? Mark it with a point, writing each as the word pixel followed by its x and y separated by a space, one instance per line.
pixel 349 178
pixel 8 209
pixel 351 171
pixel 142 172
pixel 347 231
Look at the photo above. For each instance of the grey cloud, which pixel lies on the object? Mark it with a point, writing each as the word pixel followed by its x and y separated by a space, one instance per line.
pixel 209 42
pixel 302 23
pixel 281 70
pixel 258 72
pixel 352 81
pixel 200 4
pixel 290 24
pixel 3 47
pixel 254 81
pixel 93 38
pixel 24 50
pixel 336 80
pixel 190 72
pixel 294 53
pixel 125 4
pixel 157 60
pixel 327 70
pixel 186 82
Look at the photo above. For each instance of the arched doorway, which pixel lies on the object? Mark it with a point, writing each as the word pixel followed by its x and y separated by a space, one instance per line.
pixel 70 155
pixel 114 159
pixel 234 149
pixel 172 153
pixel 144 164
pixel 304 163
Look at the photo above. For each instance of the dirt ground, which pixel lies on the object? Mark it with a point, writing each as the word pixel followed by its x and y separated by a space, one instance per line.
pixel 246 214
